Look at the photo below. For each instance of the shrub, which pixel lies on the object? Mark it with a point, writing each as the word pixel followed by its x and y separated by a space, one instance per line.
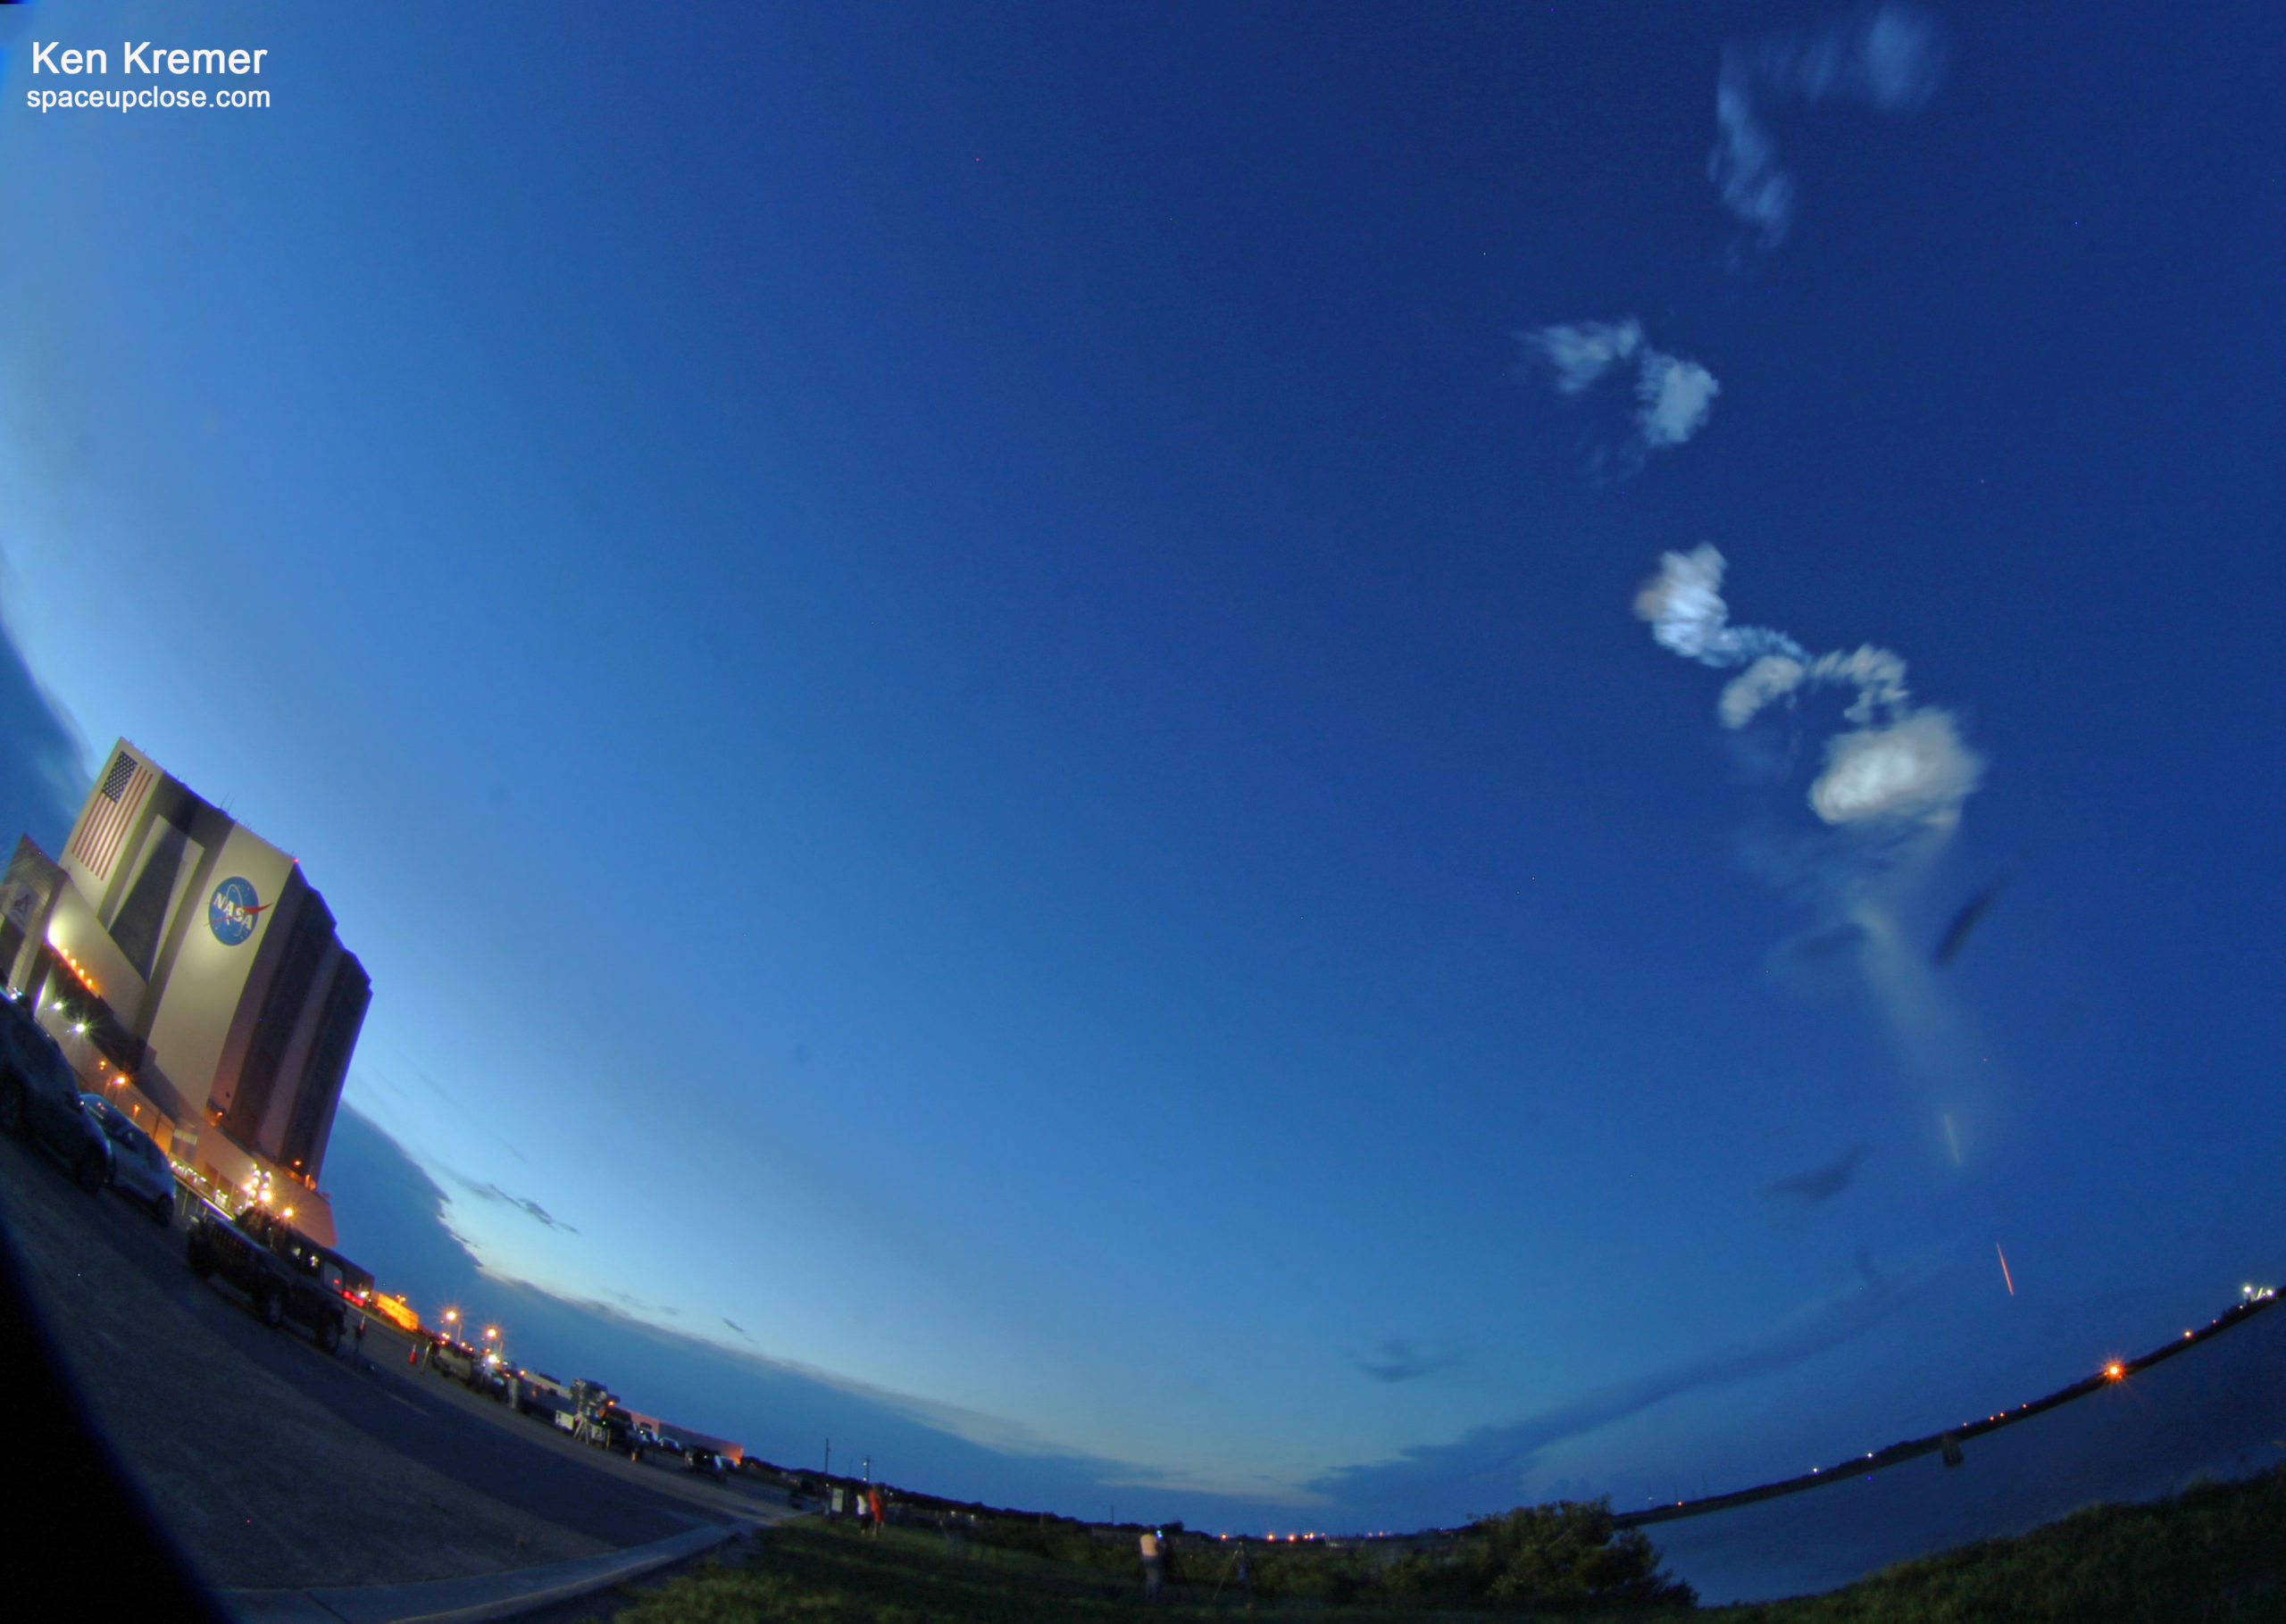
pixel 1567 1555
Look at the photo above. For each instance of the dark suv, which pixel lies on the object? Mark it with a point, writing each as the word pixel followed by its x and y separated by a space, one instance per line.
pixel 39 1099
pixel 284 1274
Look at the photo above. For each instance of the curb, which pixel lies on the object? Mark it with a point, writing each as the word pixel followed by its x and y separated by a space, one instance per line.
pixel 466 1601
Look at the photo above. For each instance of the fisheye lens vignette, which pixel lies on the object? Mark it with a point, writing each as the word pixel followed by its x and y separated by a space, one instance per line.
pixel 958 758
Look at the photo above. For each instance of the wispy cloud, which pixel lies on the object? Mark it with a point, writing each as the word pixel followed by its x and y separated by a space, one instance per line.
pixel 1398 1359
pixel 1890 57
pixel 1821 1184
pixel 531 1209
pixel 1486 1468
pixel 1579 353
pixel 1677 396
pixel 1673 396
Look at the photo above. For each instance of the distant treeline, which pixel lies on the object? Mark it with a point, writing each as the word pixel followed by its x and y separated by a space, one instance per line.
pixel 1567 1554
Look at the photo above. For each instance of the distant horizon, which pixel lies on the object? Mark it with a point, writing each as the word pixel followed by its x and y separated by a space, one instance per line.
pixel 1969 1431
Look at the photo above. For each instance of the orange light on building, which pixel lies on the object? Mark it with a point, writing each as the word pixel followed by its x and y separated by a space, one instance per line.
pixel 78 970
pixel 2114 1371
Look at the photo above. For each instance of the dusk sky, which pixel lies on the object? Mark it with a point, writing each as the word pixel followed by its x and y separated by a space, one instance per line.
pixel 1111 726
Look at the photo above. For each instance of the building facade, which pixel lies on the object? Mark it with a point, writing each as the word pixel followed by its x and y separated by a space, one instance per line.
pixel 188 969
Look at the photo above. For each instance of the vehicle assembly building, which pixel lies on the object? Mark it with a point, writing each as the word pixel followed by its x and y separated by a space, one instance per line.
pixel 190 972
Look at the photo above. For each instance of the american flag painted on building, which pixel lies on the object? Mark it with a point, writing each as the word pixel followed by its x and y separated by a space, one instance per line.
pixel 111 812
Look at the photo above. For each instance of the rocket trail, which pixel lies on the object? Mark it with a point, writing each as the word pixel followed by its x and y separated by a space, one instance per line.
pixel 2006 1277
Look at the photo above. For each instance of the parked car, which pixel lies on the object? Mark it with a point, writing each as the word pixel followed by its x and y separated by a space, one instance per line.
pixel 283 1272
pixel 39 1099
pixel 536 1392
pixel 139 1169
pixel 479 1371
pixel 651 1437
pixel 707 1462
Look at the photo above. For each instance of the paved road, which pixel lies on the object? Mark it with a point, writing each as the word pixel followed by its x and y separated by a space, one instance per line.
pixel 274 1465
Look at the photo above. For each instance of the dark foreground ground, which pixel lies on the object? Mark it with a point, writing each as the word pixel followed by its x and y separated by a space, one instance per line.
pixel 2215 1554
pixel 271 1465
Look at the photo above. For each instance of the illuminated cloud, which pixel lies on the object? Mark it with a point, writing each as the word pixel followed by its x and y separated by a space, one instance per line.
pixel 1898 765
pixel 1917 769
pixel 1673 396
pixel 1887 796
pixel 1677 398
pixel 1772 677
pixel 1891 58
pixel 1683 603
pixel 1579 353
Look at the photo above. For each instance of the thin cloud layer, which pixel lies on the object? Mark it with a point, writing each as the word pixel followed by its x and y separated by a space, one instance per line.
pixel 1488 1466
pixel 1891 58
pixel 1673 396
pixel 1821 1184
pixel 525 1204
pixel 1398 1361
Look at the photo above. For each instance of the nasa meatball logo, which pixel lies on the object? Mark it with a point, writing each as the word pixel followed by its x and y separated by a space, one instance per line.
pixel 232 912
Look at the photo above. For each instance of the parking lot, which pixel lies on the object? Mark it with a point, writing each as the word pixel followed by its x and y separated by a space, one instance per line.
pixel 275 1465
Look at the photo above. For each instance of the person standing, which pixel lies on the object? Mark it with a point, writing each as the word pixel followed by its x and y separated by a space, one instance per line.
pixel 1149 1546
pixel 873 1508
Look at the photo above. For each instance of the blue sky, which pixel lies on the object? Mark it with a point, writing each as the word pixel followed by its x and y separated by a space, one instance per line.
pixel 974 687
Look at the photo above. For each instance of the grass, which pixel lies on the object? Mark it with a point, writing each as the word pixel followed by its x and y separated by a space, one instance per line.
pixel 2215 1554
pixel 817 1573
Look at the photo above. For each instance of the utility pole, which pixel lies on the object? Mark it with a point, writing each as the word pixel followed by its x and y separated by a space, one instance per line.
pixel 867 1470
pixel 829 1457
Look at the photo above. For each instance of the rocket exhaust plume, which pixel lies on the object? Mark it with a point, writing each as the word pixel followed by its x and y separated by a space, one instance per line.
pixel 1887 796
pixel 1900 765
